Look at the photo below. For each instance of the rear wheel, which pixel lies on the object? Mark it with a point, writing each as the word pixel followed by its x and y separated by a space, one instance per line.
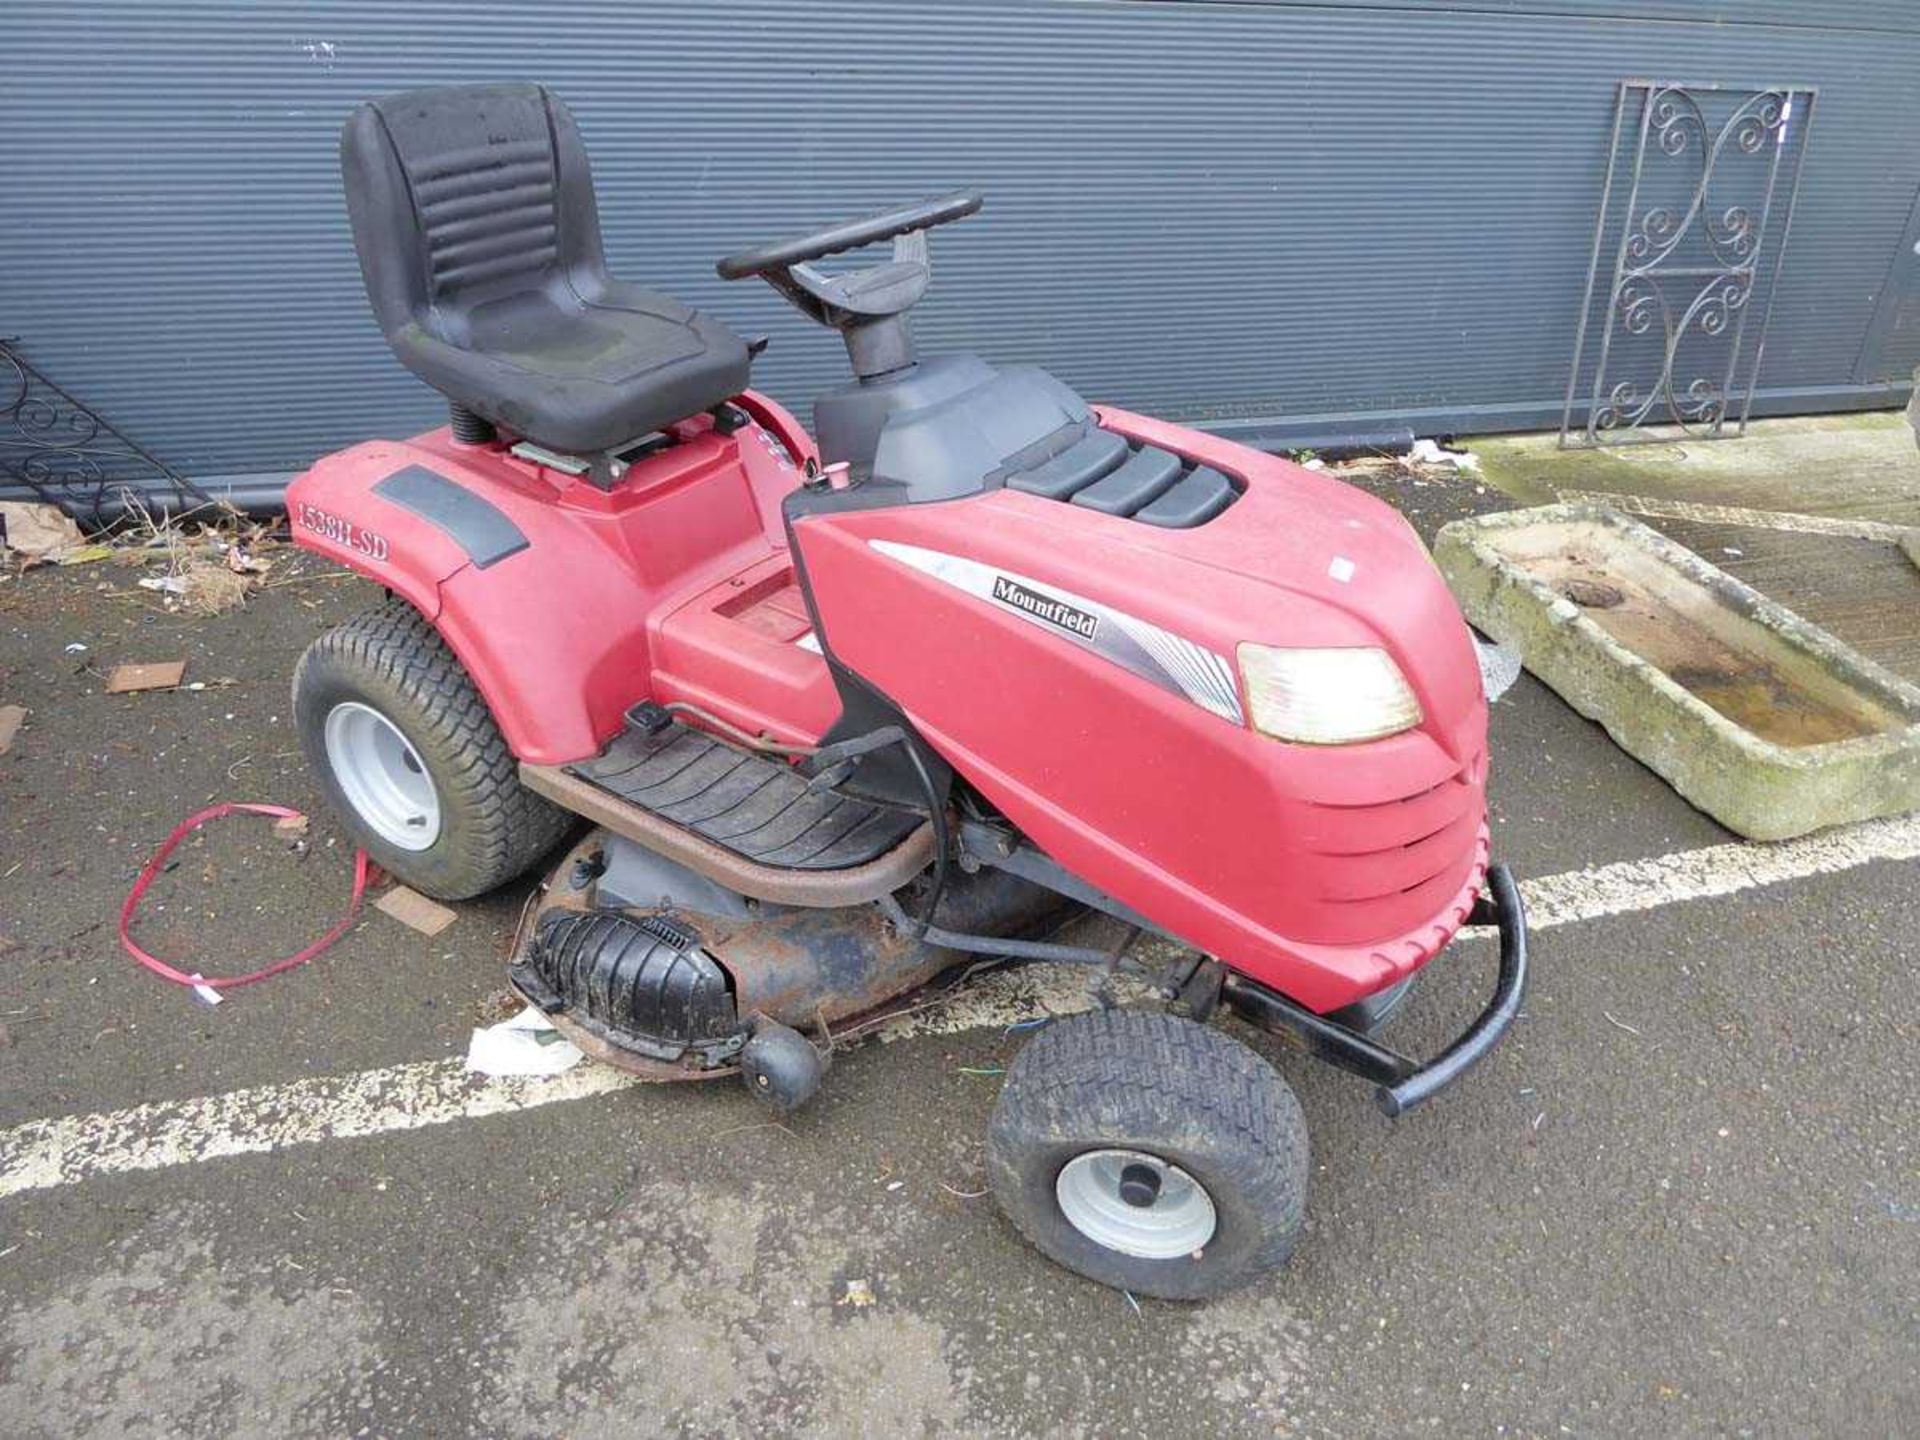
pixel 1150 1153
pixel 410 757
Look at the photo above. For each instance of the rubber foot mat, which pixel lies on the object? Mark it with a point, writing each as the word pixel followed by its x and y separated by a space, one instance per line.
pixel 757 806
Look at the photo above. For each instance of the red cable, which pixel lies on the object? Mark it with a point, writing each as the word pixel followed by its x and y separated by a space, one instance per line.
pixel 361 868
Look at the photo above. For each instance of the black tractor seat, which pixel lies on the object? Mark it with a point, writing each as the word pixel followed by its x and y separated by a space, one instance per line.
pixel 474 216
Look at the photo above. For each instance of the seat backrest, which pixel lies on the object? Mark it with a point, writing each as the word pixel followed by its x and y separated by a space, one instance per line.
pixel 461 195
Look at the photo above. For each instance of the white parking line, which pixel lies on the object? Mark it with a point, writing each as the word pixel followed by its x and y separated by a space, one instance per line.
pixel 164 1133
pixel 1714 870
pixel 68 1149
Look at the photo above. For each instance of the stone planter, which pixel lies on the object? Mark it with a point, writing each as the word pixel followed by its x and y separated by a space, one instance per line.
pixel 1767 723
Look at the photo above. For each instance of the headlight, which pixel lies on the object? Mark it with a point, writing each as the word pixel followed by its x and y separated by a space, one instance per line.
pixel 1326 697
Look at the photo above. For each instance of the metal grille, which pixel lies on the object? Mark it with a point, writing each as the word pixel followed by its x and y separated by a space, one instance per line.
pixel 68 456
pixel 1712 172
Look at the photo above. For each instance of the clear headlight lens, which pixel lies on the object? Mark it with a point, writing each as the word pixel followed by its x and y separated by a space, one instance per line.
pixel 1326 697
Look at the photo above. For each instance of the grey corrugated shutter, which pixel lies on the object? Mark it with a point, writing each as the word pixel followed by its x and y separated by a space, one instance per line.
pixel 1228 212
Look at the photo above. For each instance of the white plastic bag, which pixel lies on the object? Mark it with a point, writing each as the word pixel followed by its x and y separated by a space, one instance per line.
pixel 525 1045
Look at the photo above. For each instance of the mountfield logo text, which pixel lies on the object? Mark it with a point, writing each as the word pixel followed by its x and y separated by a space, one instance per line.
pixel 1044 608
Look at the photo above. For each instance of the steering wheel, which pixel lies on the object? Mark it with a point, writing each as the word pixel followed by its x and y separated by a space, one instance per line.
pixel 770 260
pixel 862 303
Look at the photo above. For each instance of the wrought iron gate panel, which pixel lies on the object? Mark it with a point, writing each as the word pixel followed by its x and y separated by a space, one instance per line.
pixel 68 456
pixel 1701 235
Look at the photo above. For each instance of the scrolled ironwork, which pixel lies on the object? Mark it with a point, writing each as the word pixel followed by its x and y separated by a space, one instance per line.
pixel 56 449
pixel 1683 237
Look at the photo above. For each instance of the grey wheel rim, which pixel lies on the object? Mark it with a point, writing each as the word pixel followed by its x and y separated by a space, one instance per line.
pixel 1135 1203
pixel 382 776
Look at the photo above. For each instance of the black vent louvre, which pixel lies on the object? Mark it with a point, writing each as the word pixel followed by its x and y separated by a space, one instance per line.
pixel 1104 471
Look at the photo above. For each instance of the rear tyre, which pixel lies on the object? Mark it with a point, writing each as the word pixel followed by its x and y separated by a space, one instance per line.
pixel 1150 1153
pixel 411 760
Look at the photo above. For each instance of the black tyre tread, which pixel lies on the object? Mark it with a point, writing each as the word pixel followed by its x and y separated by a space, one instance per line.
pixel 1104 1068
pixel 1200 1069
pixel 514 827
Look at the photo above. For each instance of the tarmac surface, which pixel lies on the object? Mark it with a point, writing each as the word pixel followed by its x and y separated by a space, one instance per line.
pixel 1683 1199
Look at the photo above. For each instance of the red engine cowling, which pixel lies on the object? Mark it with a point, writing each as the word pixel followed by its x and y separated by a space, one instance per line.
pixel 1327 872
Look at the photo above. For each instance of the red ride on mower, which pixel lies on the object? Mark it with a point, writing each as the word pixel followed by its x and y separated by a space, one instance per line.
pixel 852 711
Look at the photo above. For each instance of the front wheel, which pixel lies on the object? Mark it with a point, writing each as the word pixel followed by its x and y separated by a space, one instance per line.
pixel 410 757
pixel 1150 1153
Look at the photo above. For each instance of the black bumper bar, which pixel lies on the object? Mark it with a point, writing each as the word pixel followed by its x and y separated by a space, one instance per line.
pixel 1404 1083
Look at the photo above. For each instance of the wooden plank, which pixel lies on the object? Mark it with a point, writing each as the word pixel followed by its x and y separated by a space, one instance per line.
pixel 415 910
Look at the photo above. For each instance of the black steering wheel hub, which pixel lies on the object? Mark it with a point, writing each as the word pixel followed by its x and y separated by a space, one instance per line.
pixel 867 306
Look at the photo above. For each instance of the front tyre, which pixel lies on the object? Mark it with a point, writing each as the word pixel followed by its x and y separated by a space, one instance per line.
pixel 1150 1153
pixel 411 760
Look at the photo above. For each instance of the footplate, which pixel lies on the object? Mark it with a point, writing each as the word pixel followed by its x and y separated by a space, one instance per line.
pixel 757 806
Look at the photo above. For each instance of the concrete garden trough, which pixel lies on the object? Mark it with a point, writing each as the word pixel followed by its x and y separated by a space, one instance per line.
pixel 1766 722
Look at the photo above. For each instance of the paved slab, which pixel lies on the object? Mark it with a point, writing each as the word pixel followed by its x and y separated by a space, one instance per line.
pixel 1863 467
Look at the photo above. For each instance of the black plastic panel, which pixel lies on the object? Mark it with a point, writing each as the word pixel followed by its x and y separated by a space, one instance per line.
pixel 1099 453
pixel 1147 473
pixel 477 525
pixel 646 984
pixel 1201 494
pixel 1101 470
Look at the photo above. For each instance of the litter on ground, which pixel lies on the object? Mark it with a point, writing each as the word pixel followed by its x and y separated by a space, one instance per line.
pixel 1499 667
pixel 1427 452
pixel 525 1045
pixel 859 1294
pixel 206 988
pixel 415 910
pixel 159 675
pixel 39 533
